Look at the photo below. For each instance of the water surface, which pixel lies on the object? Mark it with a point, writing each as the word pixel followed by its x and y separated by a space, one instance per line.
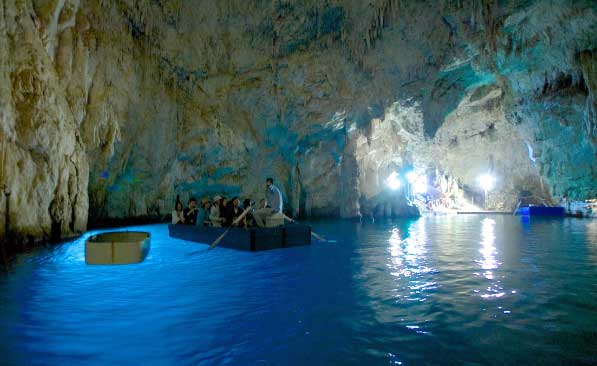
pixel 467 290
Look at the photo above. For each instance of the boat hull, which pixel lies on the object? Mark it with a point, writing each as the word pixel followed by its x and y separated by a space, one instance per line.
pixel 541 211
pixel 254 239
pixel 120 247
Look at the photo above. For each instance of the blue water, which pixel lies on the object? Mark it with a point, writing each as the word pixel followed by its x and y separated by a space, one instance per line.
pixel 452 290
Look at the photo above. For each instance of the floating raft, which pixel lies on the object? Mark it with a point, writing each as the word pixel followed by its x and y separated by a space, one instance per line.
pixel 121 247
pixel 252 239
pixel 541 211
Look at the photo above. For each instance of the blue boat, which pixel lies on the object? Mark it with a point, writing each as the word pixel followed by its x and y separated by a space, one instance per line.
pixel 541 211
pixel 253 239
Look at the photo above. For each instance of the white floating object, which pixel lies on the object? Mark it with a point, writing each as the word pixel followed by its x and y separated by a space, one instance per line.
pixel 121 247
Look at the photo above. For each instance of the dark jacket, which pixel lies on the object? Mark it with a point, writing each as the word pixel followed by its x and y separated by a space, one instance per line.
pixel 231 213
pixel 190 218
pixel 224 213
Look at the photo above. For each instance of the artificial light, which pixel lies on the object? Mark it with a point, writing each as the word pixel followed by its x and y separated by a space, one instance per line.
pixel 393 182
pixel 487 182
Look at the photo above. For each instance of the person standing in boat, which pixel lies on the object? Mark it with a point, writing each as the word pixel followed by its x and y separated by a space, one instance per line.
pixel 214 215
pixel 177 214
pixel 190 213
pixel 273 205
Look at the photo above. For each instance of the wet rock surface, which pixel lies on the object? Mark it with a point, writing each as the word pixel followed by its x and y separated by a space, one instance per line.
pixel 111 109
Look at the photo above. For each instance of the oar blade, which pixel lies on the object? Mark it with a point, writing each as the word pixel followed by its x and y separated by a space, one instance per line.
pixel 314 234
pixel 318 237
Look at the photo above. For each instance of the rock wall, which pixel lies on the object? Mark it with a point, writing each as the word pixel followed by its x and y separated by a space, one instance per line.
pixel 546 62
pixel 44 164
pixel 113 108
pixel 477 138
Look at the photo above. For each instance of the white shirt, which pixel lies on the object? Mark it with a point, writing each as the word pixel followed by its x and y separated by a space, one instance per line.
pixel 214 213
pixel 177 217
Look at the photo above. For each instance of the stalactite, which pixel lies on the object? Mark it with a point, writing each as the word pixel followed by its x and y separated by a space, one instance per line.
pixel 588 62
pixel 383 15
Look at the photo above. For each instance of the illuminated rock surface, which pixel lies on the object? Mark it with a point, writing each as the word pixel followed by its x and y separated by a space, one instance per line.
pixel 112 108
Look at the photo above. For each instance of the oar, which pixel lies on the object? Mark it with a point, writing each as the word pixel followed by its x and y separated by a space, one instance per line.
pixel 516 209
pixel 219 239
pixel 315 235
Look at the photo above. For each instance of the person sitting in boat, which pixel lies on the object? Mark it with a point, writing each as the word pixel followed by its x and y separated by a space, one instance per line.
pixel 233 211
pixel 203 214
pixel 248 220
pixel 223 205
pixel 190 213
pixel 273 205
pixel 262 203
pixel 178 214
pixel 214 214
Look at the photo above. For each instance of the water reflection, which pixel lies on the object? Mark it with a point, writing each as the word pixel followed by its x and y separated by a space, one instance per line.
pixel 591 233
pixel 367 301
pixel 408 259
pixel 408 255
pixel 488 250
pixel 396 251
pixel 488 261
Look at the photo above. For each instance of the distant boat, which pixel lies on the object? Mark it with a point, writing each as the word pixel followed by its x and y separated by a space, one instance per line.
pixel 252 239
pixel 119 247
pixel 541 211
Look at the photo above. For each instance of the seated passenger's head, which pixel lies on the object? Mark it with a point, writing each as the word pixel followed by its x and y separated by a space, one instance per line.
pixel 192 202
pixel 206 204
pixel 235 201
pixel 262 203
pixel 217 200
pixel 178 206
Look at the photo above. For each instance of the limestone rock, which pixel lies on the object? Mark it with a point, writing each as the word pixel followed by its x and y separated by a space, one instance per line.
pixel 45 166
pixel 112 108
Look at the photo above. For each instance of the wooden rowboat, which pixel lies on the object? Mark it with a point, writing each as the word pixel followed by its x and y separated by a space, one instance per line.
pixel 252 239
pixel 121 247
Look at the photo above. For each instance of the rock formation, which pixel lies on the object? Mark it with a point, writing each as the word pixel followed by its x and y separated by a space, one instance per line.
pixel 109 109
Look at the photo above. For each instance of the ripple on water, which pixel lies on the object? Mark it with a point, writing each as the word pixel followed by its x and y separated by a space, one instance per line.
pixel 450 290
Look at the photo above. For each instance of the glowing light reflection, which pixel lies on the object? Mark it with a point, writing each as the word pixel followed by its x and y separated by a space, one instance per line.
pixel 488 250
pixel 414 245
pixel 395 248
pixel 407 261
pixel 488 261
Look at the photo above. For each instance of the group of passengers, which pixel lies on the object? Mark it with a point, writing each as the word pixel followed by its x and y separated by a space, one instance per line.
pixel 223 212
